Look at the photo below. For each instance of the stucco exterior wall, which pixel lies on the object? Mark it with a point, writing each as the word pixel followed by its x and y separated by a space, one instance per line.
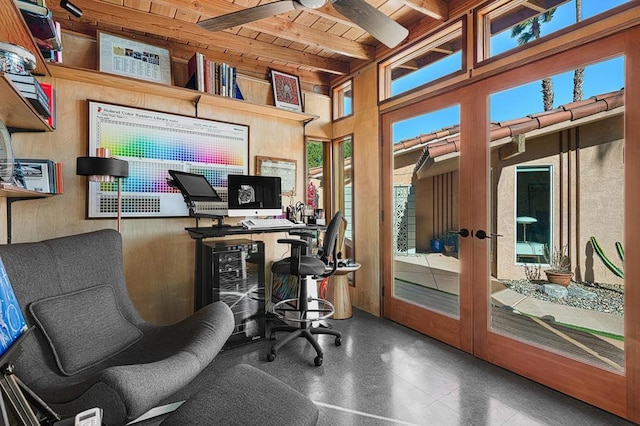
pixel 587 165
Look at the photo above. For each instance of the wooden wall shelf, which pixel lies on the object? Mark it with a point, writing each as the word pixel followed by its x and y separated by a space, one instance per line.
pixel 173 92
pixel 14 30
pixel 16 111
pixel 10 191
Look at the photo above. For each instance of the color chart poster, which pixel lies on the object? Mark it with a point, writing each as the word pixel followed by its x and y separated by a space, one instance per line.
pixel 154 143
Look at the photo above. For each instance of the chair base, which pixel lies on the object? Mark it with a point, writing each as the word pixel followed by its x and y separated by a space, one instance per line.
pixel 307 333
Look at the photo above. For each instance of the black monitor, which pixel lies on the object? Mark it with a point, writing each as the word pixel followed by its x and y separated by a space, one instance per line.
pixel 254 196
pixel 194 186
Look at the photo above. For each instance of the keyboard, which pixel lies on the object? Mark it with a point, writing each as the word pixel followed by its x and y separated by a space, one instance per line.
pixel 269 223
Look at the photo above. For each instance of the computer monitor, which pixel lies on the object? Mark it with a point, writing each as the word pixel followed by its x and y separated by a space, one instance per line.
pixel 254 196
pixel 194 186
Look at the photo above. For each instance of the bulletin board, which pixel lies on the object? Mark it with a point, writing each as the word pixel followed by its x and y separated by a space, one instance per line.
pixel 154 143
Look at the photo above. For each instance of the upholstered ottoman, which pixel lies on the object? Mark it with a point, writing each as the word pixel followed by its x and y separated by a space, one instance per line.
pixel 245 395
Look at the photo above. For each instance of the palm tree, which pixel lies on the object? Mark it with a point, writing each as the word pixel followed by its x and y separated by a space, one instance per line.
pixel 530 30
pixel 578 74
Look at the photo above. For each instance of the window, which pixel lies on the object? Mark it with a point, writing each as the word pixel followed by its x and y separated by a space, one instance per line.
pixel 533 214
pixel 507 25
pixel 343 149
pixel 438 56
pixel 317 187
pixel 342 100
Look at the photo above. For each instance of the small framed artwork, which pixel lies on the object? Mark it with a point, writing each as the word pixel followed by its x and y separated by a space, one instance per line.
pixel 130 58
pixel 283 168
pixel 286 91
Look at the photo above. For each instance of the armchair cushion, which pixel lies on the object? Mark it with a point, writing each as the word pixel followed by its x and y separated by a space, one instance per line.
pixel 82 338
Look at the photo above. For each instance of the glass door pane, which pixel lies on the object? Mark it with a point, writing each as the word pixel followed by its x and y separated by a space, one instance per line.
pixel 426 269
pixel 558 203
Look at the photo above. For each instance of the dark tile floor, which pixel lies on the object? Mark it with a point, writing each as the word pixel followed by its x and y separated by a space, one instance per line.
pixel 386 374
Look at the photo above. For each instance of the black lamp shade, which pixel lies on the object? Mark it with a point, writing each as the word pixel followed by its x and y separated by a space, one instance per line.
pixel 100 166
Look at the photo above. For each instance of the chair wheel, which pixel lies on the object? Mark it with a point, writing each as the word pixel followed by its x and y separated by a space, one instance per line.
pixel 338 341
pixel 317 361
pixel 271 357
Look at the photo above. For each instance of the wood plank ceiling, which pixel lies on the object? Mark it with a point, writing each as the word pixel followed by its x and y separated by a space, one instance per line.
pixel 315 44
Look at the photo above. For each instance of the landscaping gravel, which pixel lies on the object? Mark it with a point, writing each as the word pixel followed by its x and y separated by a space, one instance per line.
pixel 608 298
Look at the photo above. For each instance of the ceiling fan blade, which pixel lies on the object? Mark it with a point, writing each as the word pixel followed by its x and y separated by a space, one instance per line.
pixel 370 19
pixel 245 16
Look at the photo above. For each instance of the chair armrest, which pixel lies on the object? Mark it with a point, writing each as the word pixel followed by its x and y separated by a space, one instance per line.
pixel 301 233
pixel 294 242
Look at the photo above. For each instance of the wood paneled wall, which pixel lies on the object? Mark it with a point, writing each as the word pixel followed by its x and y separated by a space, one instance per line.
pixel 363 125
pixel 158 253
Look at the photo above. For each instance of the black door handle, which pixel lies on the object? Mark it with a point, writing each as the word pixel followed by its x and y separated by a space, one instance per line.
pixel 481 234
pixel 464 232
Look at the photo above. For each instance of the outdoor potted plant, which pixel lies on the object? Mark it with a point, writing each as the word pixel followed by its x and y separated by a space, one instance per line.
pixel 560 267
pixel 451 243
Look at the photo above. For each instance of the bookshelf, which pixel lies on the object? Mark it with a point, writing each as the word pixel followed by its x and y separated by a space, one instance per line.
pixel 10 191
pixel 16 112
pixel 13 29
pixel 173 92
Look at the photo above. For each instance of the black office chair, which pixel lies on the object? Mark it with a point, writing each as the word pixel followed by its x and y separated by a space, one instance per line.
pixel 301 264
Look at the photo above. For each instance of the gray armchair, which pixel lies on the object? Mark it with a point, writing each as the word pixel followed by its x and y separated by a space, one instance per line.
pixel 90 347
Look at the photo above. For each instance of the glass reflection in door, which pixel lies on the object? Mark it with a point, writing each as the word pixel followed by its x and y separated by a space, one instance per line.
pixel 558 203
pixel 425 202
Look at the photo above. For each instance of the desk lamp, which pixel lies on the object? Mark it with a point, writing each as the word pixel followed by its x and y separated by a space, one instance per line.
pixel 104 168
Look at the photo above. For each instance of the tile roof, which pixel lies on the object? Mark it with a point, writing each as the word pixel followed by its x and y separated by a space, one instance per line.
pixel 447 140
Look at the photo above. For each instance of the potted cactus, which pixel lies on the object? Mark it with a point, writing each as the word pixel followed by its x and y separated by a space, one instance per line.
pixel 560 266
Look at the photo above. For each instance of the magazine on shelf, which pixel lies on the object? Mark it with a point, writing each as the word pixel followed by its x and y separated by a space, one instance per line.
pixel 41 24
pixel 38 175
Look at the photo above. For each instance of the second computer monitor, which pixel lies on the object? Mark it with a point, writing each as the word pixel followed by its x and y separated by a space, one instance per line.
pixel 254 196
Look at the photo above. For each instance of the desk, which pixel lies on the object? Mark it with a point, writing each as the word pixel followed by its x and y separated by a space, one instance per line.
pixel 203 274
pixel 338 291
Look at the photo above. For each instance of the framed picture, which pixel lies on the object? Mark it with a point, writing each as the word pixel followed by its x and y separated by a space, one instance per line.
pixel 129 58
pixel 286 91
pixel 153 143
pixel 285 169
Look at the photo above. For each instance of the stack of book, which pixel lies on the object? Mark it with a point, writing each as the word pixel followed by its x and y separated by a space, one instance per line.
pixel 32 90
pixel 44 29
pixel 208 76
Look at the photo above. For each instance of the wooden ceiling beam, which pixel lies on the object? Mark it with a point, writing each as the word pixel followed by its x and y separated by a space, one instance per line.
pixel 436 9
pixel 278 27
pixel 181 52
pixel 160 26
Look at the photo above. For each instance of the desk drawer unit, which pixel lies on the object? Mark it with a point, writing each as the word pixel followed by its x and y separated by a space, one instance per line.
pixel 235 274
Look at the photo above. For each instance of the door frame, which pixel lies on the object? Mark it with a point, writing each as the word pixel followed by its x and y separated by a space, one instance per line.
pixel 617 393
pixel 455 332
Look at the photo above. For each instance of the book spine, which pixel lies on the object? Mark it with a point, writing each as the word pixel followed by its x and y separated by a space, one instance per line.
pixel 50 91
pixel 223 79
pixel 200 71
pixel 25 87
pixel 21 78
pixel 212 77
pixel 217 78
pixel 33 7
pixel 59 178
pixel 207 81
pixel 234 83
pixel 41 105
